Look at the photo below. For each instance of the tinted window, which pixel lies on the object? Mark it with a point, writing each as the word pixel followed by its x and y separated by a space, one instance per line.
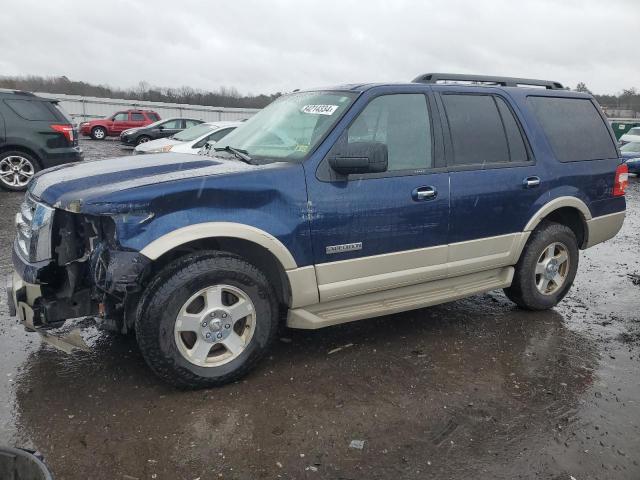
pixel 32 110
pixel 172 124
pixel 214 137
pixel 137 117
pixel 121 117
pixel 574 128
pixel 477 132
pixel 153 116
pixel 515 142
pixel 402 123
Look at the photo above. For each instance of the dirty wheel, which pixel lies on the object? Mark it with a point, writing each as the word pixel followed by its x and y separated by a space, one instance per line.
pixel 206 320
pixel 16 169
pixel 546 269
pixel 98 133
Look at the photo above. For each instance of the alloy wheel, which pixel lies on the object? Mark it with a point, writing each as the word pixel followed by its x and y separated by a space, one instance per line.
pixel 215 325
pixel 16 171
pixel 552 268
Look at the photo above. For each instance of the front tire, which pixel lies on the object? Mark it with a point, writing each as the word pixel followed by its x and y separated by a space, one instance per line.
pixel 98 133
pixel 546 269
pixel 142 139
pixel 206 320
pixel 16 169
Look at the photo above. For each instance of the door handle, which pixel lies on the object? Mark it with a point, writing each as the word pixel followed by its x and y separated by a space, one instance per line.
pixel 424 193
pixel 531 182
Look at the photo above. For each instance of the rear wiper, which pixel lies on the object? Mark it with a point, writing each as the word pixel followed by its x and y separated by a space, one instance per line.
pixel 239 153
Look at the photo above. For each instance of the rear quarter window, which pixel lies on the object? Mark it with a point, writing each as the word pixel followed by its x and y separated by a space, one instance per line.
pixel 34 110
pixel 574 128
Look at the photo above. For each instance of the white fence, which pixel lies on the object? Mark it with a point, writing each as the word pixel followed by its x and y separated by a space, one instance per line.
pixel 82 108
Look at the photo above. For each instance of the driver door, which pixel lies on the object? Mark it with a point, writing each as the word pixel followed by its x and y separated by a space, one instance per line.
pixel 374 232
pixel 120 122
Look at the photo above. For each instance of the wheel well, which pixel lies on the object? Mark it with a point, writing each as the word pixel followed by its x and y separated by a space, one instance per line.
pixel 573 219
pixel 255 254
pixel 99 126
pixel 19 148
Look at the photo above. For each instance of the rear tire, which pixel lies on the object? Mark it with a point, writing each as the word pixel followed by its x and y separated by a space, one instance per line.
pixel 16 169
pixel 194 301
pixel 98 133
pixel 546 269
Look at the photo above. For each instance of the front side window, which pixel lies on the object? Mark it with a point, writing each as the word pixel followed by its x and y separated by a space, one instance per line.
pixel 193 132
pixel 290 127
pixel 153 116
pixel 401 122
pixel 121 117
pixel 172 124
pixel 574 128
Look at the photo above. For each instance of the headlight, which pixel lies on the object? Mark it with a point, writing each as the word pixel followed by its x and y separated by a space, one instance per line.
pixel 34 223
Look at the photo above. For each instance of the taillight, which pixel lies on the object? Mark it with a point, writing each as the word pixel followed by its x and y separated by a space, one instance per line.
pixel 66 130
pixel 621 181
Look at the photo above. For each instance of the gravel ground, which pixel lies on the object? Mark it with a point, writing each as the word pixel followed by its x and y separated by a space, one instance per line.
pixel 472 389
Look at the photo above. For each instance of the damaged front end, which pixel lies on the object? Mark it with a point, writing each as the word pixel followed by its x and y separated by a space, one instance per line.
pixel 69 265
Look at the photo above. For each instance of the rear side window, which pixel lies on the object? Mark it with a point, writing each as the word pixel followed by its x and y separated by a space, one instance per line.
pixel 137 117
pixel 32 110
pixel 574 128
pixel 483 130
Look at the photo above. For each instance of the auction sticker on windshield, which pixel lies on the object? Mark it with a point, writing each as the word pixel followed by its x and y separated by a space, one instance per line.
pixel 319 109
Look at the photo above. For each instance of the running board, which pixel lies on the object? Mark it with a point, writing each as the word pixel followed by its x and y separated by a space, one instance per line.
pixel 399 299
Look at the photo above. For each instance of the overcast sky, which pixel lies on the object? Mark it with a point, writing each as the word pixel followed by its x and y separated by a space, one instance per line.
pixel 279 45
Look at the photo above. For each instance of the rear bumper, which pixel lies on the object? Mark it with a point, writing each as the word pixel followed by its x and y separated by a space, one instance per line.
pixel 604 227
pixel 60 156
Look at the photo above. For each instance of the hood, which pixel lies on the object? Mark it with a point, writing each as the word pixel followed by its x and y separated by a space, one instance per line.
pixel 630 155
pixel 153 144
pixel 74 186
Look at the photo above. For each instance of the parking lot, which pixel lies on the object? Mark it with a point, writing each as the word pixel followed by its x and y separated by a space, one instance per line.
pixel 472 389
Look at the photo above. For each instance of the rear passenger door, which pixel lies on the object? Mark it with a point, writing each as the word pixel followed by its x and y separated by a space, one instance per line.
pixel 494 179
pixel 378 231
pixel 137 119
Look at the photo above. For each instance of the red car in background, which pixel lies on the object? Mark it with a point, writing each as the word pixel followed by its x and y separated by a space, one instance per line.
pixel 117 123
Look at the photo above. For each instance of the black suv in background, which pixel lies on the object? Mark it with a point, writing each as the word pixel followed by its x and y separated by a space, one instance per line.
pixel 166 127
pixel 35 133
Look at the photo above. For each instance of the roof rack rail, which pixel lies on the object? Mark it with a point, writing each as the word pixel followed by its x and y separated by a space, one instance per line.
pixel 487 79
pixel 16 92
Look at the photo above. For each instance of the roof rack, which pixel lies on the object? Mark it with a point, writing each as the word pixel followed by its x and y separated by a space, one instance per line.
pixel 16 92
pixel 487 79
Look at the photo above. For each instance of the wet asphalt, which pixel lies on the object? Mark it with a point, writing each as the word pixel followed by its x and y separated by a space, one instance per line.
pixel 472 389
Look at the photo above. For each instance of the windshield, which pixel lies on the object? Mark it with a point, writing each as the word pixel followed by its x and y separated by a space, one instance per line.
pixel 633 147
pixel 193 132
pixel 291 126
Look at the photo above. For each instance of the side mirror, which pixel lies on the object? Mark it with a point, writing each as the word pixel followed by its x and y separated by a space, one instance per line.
pixel 206 148
pixel 359 158
pixel 160 127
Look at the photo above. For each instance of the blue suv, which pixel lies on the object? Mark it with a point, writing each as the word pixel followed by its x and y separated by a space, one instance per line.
pixel 328 206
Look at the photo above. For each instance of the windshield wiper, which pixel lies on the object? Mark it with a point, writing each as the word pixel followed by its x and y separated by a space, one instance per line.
pixel 239 153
